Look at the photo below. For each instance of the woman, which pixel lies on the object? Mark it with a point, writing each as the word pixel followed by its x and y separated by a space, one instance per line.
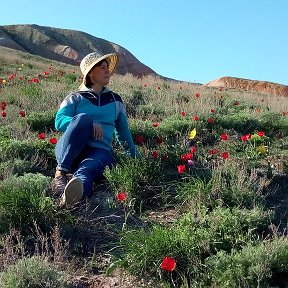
pixel 88 119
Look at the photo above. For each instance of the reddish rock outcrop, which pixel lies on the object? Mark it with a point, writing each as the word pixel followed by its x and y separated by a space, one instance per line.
pixel 250 85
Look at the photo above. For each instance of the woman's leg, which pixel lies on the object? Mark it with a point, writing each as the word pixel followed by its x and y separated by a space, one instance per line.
pixel 90 169
pixel 73 141
pixel 69 146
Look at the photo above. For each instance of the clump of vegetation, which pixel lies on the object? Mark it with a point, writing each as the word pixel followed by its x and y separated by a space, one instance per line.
pixel 32 272
pixel 199 209
pixel 23 202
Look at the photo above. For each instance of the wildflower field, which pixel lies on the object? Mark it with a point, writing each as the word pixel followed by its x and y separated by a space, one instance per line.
pixel 206 205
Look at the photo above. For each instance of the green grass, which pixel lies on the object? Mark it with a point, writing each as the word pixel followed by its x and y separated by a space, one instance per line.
pixel 217 219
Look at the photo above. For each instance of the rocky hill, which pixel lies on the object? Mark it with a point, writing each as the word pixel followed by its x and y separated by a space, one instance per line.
pixel 68 46
pixel 250 85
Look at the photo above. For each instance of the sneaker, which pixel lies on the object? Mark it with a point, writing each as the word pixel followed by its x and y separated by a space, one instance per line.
pixel 59 183
pixel 73 192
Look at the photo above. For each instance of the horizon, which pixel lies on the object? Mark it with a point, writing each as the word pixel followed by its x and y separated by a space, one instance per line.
pixel 187 41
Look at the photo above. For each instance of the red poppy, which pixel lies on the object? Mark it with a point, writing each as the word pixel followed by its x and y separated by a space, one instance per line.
pixel 261 133
pixel 183 113
pixel 196 118
pixel 42 136
pixel 165 157
pixel 213 151
pixel 155 154
pixel 189 156
pixel 244 138
pixel 3 114
pixel 139 139
pixel 159 140
pixel 249 136
pixel 210 120
pixel 212 110
pixel 3 105
pixel 156 124
pixel 181 168
pixel 197 95
pixel 168 264
pixel 224 136
pixel 183 157
pixel 22 113
pixel 121 196
pixel 193 149
pixel 225 155
pixel 53 140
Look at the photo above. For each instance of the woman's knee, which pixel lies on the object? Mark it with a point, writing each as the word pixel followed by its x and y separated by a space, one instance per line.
pixel 83 120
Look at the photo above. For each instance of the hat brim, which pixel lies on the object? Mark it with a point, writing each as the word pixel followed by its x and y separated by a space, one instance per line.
pixel 112 60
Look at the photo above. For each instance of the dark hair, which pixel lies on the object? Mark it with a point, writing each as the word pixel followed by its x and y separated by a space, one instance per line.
pixel 88 83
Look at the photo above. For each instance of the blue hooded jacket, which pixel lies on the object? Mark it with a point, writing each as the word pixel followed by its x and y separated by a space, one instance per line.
pixel 106 109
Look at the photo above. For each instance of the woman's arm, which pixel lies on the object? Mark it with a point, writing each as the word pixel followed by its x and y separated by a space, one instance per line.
pixel 123 135
pixel 66 112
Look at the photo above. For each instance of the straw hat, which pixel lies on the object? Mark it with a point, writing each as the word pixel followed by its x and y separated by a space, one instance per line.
pixel 92 59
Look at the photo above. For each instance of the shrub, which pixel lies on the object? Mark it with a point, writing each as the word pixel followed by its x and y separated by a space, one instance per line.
pixel 23 202
pixel 70 78
pixel 243 122
pixel 191 240
pixel 41 121
pixel 139 178
pixel 32 272
pixel 15 167
pixel 26 149
pixel 255 265
pixel 229 185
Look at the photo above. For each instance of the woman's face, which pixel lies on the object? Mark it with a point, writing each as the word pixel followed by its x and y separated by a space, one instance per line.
pixel 100 75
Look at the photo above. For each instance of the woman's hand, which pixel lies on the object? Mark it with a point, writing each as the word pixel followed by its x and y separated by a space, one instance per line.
pixel 97 131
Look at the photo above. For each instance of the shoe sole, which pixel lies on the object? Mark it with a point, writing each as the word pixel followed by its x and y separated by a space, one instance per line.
pixel 73 192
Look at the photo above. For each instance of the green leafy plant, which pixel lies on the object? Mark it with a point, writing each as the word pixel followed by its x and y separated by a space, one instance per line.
pixel 133 175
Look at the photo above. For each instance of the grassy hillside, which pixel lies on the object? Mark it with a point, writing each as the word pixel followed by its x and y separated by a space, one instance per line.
pixel 205 207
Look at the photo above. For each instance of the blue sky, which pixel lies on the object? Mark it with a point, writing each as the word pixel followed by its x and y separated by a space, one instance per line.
pixel 196 41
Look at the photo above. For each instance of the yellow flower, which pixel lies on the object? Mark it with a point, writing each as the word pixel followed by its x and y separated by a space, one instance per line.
pixel 262 149
pixel 192 134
